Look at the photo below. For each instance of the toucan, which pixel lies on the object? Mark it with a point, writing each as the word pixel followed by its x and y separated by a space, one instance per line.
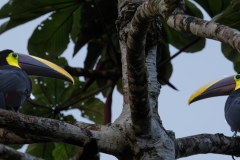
pixel 15 84
pixel 224 86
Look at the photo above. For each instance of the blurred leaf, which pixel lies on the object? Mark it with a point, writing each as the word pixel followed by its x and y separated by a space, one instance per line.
pixel 64 151
pixel 89 27
pixel 164 70
pixel 52 96
pixel 76 24
pixel 230 17
pixel 93 52
pixel 232 55
pixel 191 9
pixel 15 146
pixel 52 36
pixel 41 150
pixel 213 7
pixel 119 86
pixel 23 11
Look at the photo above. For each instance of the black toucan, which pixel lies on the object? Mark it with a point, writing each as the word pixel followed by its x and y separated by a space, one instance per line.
pixel 225 86
pixel 15 85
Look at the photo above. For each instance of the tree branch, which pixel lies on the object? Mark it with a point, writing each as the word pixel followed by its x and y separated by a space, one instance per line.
pixel 137 71
pixel 173 13
pixel 33 129
pixel 9 153
pixel 207 143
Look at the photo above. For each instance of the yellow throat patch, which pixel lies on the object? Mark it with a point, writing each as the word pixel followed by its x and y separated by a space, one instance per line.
pixel 12 59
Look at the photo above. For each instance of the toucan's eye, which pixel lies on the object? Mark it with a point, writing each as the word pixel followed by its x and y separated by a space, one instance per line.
pixel 14 55
pixel 238 76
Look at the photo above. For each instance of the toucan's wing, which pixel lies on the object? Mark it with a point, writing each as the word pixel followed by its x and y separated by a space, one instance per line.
pixel 13 79
pixel 2 101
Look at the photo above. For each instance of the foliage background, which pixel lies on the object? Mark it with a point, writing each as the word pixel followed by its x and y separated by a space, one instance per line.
pixel 190 71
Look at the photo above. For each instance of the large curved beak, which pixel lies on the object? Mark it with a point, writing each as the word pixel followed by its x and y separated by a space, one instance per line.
pixel 35 66
pixel 220 87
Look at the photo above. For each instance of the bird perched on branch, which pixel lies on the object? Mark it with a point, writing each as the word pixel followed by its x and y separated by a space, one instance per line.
pixel 225 86
pixel 15 85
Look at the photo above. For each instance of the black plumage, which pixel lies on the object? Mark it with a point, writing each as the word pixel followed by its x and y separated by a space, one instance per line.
pixel 15 86
pixel 232 110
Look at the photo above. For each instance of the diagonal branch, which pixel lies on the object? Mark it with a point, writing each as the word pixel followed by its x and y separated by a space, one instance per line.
pixel 36 129
pixel 173 13
pixel 137 70
pixel 207 143
pixel 9 153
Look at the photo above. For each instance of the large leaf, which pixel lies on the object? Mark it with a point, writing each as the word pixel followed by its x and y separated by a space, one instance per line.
pixel 21 12
pixel 213 7
pixel 41 150
pixel 52 37
pixel 88 29
pixel 52 96
pixel 64 151
pixel 94 50
pixel 91 25
pixel 230 17
pixel 164 69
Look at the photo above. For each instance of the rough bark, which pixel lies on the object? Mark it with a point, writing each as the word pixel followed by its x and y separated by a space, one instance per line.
pixel 207 143
pixel 8 153
pixel 48 130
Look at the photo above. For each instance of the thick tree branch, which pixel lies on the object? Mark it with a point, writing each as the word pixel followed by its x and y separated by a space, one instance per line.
pixel 207 143
pixel 9 153
pixel 137 71
pixel 43 129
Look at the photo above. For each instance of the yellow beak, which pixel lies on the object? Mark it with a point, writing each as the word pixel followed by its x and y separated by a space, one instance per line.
pixel 35 66
pixel 220 87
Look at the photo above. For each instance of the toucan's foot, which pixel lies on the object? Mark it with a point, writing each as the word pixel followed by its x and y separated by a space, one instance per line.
pixel 235 134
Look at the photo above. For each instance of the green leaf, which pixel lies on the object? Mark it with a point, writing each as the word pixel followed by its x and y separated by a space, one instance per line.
pixel 191 9
pixel 94 50
pixel 92 109
pixel 52 96
pixel 76 24
pixel 232 55
pixel 21 12
pixel 89 27
pixel 230 17
pixel 64 151
pixel 52 36
pixel 15 146
pixel 213 7
pixel 180 40
pixel 41 150
pixel 164 70
pixel 119 86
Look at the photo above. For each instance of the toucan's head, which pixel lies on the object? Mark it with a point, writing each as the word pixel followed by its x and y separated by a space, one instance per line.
pixel 34 66
pixel 220 87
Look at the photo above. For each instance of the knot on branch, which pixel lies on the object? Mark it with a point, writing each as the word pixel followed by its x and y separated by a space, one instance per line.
pixel 171 7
